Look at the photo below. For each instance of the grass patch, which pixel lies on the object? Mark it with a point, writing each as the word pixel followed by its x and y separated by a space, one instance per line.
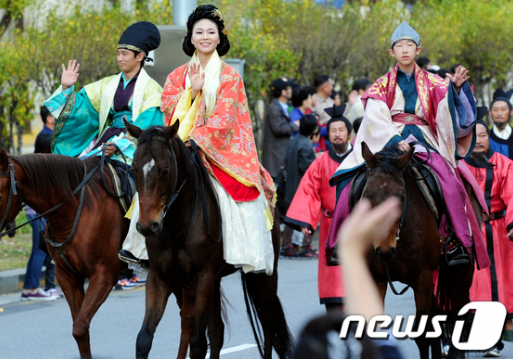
pixel 15 252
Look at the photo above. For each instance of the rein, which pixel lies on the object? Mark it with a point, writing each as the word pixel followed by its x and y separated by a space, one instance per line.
pixel 405 198
pixel 197 161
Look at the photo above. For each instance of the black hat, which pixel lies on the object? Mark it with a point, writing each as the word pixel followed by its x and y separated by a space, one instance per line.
pixel 501 95
pixel 337 114
pixel 481 112
pixel 140 37
pixel 336 111
pixel 281 84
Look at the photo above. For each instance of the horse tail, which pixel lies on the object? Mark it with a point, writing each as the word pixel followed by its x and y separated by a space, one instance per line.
pixel 445 287
pixel 281 338
pixel 224 310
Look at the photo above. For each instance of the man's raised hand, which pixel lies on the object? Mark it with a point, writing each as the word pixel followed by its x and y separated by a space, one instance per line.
pixel 69 75
pixel 459 77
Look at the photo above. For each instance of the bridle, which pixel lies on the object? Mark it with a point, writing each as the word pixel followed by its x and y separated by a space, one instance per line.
pixel 203 177
pixel 13 190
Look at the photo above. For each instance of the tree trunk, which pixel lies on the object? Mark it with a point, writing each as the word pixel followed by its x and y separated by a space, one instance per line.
pixel 2 125
pixel 19 130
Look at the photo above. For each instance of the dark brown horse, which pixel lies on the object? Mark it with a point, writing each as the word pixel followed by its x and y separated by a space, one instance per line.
pixel 412 258
pixel 179 216
pixel 43 182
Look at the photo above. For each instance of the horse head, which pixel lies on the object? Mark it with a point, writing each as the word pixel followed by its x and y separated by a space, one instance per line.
pixel 155 168
pixel 10 203
pixel 385 179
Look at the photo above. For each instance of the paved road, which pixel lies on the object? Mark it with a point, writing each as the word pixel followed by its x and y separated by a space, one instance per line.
pixel 43 330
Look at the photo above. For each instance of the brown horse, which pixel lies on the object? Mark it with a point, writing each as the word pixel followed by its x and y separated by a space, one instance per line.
pixel 412 258
pixel 44 181
pixel 180 218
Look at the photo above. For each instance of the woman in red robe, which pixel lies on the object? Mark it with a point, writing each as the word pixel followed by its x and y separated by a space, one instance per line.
pixel 207 96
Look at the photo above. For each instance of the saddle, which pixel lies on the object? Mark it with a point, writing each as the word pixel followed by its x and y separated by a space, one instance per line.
pixel 119 176
pixel 427 181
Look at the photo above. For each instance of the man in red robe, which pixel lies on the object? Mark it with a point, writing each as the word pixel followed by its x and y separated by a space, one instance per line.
pixel 315 199
pixel 494 173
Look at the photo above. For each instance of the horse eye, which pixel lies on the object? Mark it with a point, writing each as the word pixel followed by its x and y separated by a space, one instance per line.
pixel 164 173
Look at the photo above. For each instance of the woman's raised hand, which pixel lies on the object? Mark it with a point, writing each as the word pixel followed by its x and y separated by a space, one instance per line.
pixel 69 75
pixel 197 79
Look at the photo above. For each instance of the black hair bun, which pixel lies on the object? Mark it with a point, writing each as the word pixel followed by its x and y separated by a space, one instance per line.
pixel 212 13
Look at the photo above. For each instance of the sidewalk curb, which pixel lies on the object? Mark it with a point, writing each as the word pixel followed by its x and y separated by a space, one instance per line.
pixel 11 281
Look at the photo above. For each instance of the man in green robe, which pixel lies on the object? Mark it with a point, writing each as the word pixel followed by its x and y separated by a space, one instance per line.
pixel 93 118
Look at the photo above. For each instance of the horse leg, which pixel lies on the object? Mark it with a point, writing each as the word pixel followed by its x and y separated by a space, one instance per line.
pixel 202 307
pixel 186 304
pixel 460 296
pixel 424 302
pixel 100 286
pixel 215 323
pixel 157 295
pixel 260 292
pixel 73 289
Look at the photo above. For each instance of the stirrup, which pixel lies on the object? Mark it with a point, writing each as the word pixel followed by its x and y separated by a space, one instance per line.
pixel 457 256
pixel 127 256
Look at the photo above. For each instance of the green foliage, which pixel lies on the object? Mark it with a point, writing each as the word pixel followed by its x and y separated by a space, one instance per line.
pixel 31 57
pixel 297 39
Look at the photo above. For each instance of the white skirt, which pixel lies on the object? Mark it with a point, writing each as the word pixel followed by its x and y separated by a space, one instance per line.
pixel 135 241
pixel 247 243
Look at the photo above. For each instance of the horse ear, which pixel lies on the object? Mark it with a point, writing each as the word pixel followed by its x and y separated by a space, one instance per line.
pixel 405 159
pixel 133 130
pixel 172 130
pixel 4 160
pixel 368 156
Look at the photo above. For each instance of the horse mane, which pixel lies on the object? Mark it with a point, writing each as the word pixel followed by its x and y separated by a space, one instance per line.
pixel 147 135
pixel 387 158
pixel 44 171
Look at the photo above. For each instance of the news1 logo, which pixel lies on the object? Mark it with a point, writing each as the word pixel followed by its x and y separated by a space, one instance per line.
pixel 486 328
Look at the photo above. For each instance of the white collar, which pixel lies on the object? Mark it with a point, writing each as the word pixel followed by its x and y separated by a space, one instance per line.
pixel 504 134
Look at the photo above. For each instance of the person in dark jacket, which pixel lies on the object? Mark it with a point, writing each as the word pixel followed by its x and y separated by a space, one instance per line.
pixel 299 155
pixel 277 127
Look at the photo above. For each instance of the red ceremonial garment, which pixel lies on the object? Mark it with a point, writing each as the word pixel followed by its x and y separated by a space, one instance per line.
pixel 315 201
pixel 225 136
pixel 496 182
pixel 430 89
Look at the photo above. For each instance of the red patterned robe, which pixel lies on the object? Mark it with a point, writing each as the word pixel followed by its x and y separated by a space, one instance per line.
pixel 225 136
pixel 315 201
pixel 496 181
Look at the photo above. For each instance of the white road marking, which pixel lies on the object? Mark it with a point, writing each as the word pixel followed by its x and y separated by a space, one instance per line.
pixel 231 350
pixel 147 168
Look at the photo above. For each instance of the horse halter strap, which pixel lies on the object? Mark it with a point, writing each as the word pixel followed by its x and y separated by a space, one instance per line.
pixel 174 195
pixel 12 191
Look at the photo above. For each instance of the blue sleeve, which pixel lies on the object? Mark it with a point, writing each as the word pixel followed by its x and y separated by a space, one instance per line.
pixel 394 140
pixel 77 122
pixel 462 108
pixel 150 117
